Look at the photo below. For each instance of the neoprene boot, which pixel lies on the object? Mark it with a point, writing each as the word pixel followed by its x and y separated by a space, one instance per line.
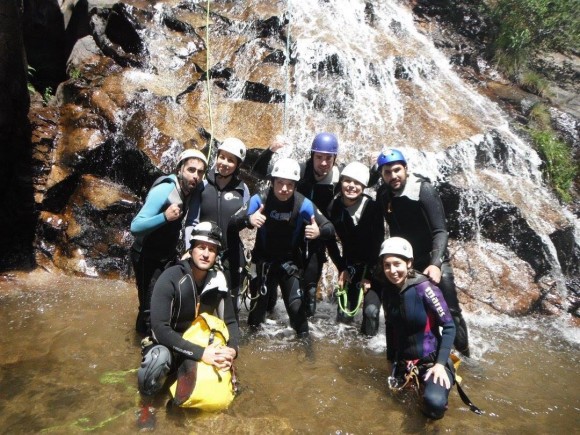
pixel 310 302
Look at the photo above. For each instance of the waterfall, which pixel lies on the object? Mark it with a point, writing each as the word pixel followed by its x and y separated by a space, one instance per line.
pixel 366 71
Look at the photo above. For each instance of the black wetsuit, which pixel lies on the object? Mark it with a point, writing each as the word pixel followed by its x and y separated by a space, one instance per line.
pixel 321 194
pixel 219 205
pixel 361 243
pixel 417 215
pixel 156 240
pixel 173 309
pixel 277 254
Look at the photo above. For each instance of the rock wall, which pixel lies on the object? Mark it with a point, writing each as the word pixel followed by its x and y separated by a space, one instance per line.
pixel 118 122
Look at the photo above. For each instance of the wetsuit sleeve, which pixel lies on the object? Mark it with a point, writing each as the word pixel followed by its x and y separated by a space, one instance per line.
pixel 436 305
pixel 231 323
pixel 335 255
pixel 151 216
pixel 260 167
pixel 374 175
pixel 193 213
pixel 307 210
pixel 194 206
pixel 324 225
pixel 161 306
pixel 378 231
pixel 241 219
pixel 389 327
pixel 332 245
pixel 435 215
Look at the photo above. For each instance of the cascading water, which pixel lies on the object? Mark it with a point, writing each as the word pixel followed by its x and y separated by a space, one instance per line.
pixel 366 72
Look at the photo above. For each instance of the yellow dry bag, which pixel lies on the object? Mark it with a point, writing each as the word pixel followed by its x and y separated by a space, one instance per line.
pixel 200 385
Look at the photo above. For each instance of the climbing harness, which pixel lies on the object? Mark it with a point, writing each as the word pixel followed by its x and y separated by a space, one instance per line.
pixel 411 379
pixel 342 295
pixel 246 291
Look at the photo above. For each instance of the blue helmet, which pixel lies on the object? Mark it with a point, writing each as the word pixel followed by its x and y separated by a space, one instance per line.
pixel 390 156
pixel 326 143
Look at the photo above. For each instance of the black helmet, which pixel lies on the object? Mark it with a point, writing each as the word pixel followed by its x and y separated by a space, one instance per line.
pixel 154 369
pixel 207 232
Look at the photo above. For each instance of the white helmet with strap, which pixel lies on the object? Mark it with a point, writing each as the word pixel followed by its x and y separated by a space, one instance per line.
pixel 234 146
pixel 191 153
pixel 358 172
pixel 207 232
pixel 397 246
pixel 286 168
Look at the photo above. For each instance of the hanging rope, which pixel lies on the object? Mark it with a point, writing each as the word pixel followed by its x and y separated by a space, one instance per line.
pixel 287 69
pixel 208 78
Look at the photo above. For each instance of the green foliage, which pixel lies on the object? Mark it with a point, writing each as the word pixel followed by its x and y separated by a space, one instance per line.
pixel 31 88
pixel 534 83
pixel 540 117
pixel 525 27
pixel 75 73
pixel 561 167
pixel 48 94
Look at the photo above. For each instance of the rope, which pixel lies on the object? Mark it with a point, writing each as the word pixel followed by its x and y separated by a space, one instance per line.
pixel 287 67
pixel 342 296
pixel 208 78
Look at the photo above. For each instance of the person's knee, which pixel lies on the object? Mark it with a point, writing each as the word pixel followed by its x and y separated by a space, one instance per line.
pixel 434 404
pixel 372 311
pixel 294 306
pixel 154 369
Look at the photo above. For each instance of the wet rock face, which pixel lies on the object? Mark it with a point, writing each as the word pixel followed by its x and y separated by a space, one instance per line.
pixel 138 95
pixel 90 236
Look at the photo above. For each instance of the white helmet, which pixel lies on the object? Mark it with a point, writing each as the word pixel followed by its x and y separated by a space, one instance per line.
pixel 234 146
pixel 207 232
pixel 397 246
pixel 191 153
pixel 286 168
pixel 358 172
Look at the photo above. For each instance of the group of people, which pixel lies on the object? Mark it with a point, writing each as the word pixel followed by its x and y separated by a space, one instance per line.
pixel 307 210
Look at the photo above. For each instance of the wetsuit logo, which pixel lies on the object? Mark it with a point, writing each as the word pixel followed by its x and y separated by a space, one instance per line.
pixel 229 196
pixel 280 216
pixel 431 295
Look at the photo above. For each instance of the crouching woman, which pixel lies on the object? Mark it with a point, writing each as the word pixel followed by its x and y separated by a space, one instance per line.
pixel 414 311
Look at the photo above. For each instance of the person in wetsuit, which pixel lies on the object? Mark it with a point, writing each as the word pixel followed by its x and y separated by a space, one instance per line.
pixel 284 218
pixel 359 225
pixel 413 210
pixel 223 194
pixel 319 183
pixel 190 287
pixel 415 309
pixel 157 226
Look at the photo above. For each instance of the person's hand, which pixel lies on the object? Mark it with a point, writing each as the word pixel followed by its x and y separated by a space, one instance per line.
pixel 311 231
pixel 366 285
pixel 278 143
pixel 439 375
pixel 219 356
pixel 173 212
pixel 257 219
pixel 343 277
pixel 434 273
pixel 373 158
